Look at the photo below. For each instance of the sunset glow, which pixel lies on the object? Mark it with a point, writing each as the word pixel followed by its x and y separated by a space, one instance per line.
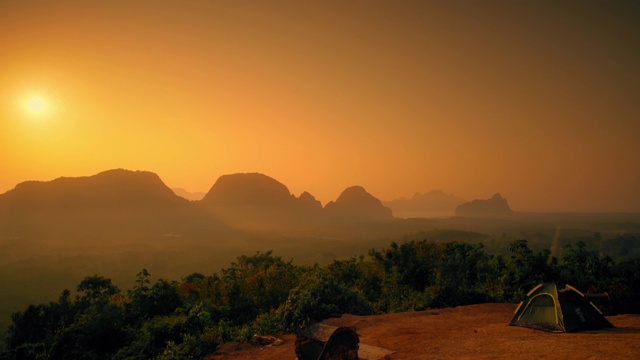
pixel 530 99
pixel 36 105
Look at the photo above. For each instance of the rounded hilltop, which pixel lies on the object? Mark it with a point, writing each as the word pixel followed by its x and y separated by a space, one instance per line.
pixel 356 203
pixel 496 206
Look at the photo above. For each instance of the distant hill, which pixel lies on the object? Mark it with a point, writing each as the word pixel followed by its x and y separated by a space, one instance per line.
pixel 309 203
pixel 255 200
pixel 497 206
pixel 183 193
pixel 138 203
pixel 357 204
pixel 112 188
pixel 113 201
pixel 435 201
pixel 248 189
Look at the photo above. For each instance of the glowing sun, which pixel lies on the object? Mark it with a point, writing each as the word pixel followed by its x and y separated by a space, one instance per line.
pixel 36 105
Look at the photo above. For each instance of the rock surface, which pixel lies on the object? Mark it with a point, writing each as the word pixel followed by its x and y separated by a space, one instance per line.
pixel 465 332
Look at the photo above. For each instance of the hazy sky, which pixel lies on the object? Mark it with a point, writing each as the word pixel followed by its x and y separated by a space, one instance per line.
pixel 537 100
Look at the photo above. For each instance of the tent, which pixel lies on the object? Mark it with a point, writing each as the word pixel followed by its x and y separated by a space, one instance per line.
pixel 558 310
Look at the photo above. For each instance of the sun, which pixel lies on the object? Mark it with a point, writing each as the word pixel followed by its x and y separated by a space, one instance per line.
pixel 36 105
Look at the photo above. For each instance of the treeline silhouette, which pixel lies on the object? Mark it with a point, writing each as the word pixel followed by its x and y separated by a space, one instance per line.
pixel 265 294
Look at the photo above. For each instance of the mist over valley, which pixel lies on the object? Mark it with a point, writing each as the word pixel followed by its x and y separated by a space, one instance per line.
pixel 117 222
pixel 178 177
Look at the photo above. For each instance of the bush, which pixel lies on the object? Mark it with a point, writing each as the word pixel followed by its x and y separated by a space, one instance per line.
pixel 320 297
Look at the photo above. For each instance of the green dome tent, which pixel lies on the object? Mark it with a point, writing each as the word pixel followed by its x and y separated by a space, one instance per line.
pixel 558 310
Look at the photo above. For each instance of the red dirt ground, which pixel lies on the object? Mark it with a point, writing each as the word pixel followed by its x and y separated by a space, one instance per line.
pixel 465 332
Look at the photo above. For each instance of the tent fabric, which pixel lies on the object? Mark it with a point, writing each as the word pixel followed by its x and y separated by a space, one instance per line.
pixel 558 310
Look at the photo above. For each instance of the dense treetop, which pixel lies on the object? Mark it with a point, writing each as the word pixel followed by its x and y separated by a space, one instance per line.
pixel 265 294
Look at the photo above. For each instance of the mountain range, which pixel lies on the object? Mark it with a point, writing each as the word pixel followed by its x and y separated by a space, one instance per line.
pixel 139 202
pixel 183 193
pixel 114 202
pixel 432 202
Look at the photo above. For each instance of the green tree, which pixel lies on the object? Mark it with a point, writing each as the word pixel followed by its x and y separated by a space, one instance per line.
pixel 32 331
pixel 625 286
pixel 161 299
pixel 583 268
pixel 257 284
pixel 459 271
pixel 151 339
pixel 97 333
pixel 413 262
pixel 317 297
pixel 525 269
pixel 97 289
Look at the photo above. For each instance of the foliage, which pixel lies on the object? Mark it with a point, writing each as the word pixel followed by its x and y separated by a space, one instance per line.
pixel 257 284
pixel 583 268
pixel 319 296
pixel 263 294
pixel 524 270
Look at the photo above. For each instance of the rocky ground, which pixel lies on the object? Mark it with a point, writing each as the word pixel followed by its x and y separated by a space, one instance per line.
pixel 466 332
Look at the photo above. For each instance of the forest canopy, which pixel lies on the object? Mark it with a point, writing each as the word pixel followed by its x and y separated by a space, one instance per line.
pixel 266 294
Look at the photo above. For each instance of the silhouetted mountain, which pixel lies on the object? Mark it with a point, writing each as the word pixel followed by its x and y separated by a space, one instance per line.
pixel 356 203
pixel 114 201
pixel 309 202
pixel 112 188
pixel 434 201
pixel 137 203
pixel 258 201
pixel 248 189
pixel 497 206
pixel 183 193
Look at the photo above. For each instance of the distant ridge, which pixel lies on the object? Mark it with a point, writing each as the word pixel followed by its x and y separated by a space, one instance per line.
pixel 258 201
pixel 497 206
pixel 138 203
pixel 252 200
pixel 356 203
pixel 310 202
pixel 124 202
pixel 111 188
pixel 183 193
pixel 434 201
pixel 247 189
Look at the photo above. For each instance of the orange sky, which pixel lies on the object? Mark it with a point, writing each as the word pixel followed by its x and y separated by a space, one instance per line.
pixel 537 100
